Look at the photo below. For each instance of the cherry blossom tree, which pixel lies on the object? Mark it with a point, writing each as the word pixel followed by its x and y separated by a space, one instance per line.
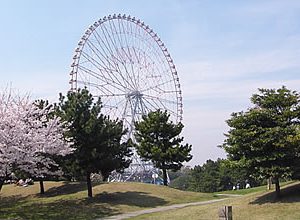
pixel 29 138
pixel 10 135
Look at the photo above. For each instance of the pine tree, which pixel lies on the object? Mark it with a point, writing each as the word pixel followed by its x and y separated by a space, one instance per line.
pixel 158 140
pixel 265 138
pixel 97 138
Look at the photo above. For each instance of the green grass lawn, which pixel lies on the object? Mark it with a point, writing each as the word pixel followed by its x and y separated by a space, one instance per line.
pixel 258 204
pixel 64 200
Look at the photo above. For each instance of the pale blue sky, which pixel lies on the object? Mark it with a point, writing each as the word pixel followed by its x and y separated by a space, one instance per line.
pixel 223 50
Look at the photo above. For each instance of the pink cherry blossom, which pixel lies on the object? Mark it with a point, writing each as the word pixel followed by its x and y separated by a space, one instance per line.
pixel 27 135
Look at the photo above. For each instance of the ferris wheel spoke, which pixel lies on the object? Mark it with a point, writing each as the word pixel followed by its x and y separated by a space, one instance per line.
pixel 145 46
pixel 111 101
pixel 131 34
pixel 110 82
pixel 161 99
pixel 146 109
pixel 133 107
pixel 118 54
pixel 114 41
pixel 113 26
pixel 110 42
pixel 149 72
pixel 125 109
pixel 114 73
pixel 94 62
pixel 165 91
pixel 124 79
pixel 103 89
pixel 160 91
pixel 130 78
pixel 115 106
pixel 144 67
pixel 123 40
pixel 162 105
pixel 119 39
pixel 129 55
pixel 104 29
pixel 112 95
pixel 156 86
pixel 132 70
pixel 119 102
pixel 106 67
pixel 112 62
pixel 103 46
pixel 107 105
pixel 139 59
pixel 94 85
pixel 122 49
pixel 108 45
pixel 153 104
pixel 129 127
pixel 97 53
pixel 110 58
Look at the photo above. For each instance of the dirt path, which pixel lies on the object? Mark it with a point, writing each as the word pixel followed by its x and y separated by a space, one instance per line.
pixel 159 209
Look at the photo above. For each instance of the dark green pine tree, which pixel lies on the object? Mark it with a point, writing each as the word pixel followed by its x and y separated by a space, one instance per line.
pixel 265 138
pixel 206 178
pixel 97 139
pixel 158 140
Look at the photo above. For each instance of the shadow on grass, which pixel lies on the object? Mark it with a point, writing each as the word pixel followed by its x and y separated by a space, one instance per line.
pixel 132 198
pixel 15 207
pixel 102 205
pixel 289 194
pixel 11 201
pixel 66 188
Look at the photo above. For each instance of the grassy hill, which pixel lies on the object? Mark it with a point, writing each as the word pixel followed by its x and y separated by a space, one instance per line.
pixel 256 203
pixel 65 200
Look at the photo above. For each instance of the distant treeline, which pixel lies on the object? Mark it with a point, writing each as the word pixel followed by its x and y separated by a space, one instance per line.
pixel 213 176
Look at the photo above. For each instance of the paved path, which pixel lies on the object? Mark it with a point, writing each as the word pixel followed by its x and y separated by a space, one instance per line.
pixel 159 209
pixel 229 195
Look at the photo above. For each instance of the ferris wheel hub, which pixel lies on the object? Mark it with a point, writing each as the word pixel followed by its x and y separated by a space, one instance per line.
pixel 135 94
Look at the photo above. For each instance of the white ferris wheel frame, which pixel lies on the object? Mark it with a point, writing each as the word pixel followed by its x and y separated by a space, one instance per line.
pixel 81 58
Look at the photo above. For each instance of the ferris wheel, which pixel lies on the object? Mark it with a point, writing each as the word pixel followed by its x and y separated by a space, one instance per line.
pixel 124 62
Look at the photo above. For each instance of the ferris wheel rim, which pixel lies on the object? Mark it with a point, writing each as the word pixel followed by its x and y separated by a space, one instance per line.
pixel 91 29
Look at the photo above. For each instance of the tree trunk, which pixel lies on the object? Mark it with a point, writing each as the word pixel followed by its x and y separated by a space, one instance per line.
pixel 42 189
pixel 1 182
pixel 165 177
pixel 269 183
pixel 277 187
pixel 89 184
